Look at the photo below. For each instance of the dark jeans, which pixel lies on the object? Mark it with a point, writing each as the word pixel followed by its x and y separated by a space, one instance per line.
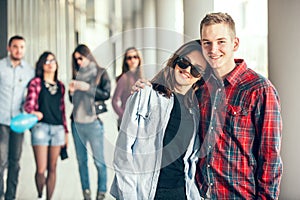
pixel 10 154
pixel 170 194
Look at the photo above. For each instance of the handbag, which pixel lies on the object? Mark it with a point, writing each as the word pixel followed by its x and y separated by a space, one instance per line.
pixel 100 107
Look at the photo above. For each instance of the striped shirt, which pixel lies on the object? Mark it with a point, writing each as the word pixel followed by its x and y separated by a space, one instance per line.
pixel 240 134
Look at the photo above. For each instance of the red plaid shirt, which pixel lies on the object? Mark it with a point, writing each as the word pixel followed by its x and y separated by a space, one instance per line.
pixel 31 103
pixel 240 133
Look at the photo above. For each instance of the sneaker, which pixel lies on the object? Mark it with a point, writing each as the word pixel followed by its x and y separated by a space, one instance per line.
pixel 100 196
pixel 86 194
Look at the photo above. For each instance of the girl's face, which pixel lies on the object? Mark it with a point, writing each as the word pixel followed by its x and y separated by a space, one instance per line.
pixel 188 70
pixel 132 59
pixel 50 65
pixel 81 60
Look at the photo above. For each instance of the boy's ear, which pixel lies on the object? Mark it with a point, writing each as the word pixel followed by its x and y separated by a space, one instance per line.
pixel 236 42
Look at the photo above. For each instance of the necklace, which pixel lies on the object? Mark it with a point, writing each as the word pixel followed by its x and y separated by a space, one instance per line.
pixel 52 88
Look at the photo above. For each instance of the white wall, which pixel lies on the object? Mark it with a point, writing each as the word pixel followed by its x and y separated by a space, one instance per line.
pixel 284 70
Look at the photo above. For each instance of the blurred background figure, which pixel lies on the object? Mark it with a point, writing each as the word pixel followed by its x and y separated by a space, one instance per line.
pixel 15 74
pixel 90 82
pixel 45 99
pixel 131 72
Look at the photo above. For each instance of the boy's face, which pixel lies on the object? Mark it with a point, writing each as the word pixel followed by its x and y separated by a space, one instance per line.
pixel 219 44
pixel 16 49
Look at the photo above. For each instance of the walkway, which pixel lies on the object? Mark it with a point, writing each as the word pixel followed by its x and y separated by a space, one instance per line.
pixel 68 182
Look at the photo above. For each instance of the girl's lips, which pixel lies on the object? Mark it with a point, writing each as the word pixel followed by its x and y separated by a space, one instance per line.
pixel 185 74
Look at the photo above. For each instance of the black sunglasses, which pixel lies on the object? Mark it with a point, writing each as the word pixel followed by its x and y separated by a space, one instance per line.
pixel 131 57
pixel 196 71
pixel 79 58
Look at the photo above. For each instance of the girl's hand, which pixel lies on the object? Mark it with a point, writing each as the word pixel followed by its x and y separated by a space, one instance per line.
pixel 66 140
pixel 81 85
pixel 72 87
pixel 139 84
pixel 38 114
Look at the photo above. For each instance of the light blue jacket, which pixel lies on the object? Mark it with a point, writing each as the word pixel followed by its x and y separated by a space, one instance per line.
pixel 138 152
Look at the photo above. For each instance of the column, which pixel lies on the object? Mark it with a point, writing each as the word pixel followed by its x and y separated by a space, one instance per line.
pixel 149 39
pixel 3 32
pixel 97 30
pixel 169 34
pixel 194 11
pixel 128 24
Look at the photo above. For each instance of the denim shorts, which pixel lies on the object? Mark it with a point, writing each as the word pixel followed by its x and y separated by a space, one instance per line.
pixel 47 135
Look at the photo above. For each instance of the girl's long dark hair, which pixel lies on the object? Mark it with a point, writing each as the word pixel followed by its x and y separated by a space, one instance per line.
pixel 164 82
pixel 125 66
pixel 39 66
pixel 83 50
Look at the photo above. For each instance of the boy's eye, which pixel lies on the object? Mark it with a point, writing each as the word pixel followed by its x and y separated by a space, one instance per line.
pixel 206 43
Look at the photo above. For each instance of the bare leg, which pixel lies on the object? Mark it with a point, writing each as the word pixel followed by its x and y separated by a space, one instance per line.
pixel 40 155
pixel 52 162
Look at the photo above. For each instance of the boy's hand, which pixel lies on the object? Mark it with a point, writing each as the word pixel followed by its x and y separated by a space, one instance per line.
pixel 139 84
